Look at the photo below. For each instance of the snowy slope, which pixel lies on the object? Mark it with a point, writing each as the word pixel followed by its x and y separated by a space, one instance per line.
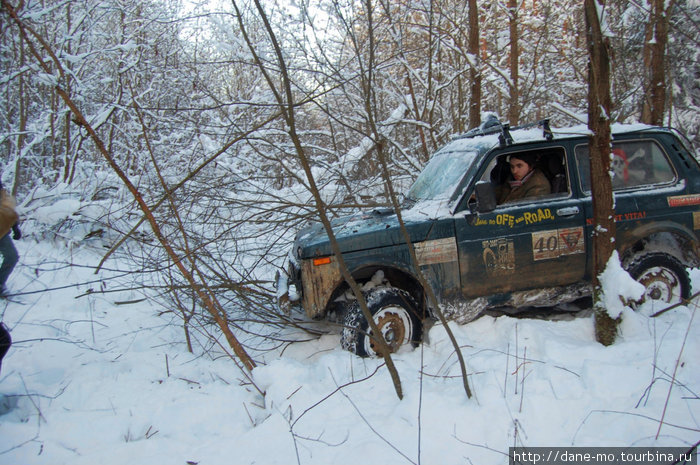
pixel 94 382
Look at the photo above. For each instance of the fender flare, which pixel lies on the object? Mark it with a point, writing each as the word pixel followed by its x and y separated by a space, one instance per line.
pixel 633 241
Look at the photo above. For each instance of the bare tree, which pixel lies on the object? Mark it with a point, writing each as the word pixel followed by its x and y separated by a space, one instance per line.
pixel 599 149
pixel 22 110
pixel 379 145
pixel 281 87
pixel 475 70
pixel 514 104
pixel 654 98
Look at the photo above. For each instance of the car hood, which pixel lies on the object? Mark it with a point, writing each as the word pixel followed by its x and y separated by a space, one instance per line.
pixel 378 228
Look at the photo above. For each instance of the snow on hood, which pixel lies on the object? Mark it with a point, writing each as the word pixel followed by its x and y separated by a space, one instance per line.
pixel 377 228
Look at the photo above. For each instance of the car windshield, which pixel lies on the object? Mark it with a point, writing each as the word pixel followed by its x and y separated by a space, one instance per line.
pixel 441 176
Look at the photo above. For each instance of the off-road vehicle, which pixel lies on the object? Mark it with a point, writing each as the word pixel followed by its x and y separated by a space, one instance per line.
pixel 477 255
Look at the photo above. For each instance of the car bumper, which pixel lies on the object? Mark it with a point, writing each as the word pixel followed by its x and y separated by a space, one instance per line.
pixel 308 284
pixel 288 287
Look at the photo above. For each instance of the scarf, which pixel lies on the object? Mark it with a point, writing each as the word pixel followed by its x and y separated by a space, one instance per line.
pixel 514 184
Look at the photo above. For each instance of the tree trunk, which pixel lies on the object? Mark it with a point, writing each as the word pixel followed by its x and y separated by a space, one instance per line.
pixel 475 71
pixel 599 148
pixel 23 104
pixel 67 117
pixel 654 103
pixel 514 104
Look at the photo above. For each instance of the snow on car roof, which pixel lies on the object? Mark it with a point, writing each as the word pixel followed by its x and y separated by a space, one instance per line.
pixel 482 142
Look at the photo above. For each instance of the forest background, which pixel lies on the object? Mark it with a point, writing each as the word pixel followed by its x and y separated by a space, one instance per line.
pixel 166 124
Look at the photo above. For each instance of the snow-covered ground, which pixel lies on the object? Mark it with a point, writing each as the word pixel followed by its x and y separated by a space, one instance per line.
pixel 95 382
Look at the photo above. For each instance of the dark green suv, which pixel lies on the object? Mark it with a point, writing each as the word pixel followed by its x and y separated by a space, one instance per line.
pixel 533 252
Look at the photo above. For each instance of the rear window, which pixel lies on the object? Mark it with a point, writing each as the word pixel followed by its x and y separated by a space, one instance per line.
pixel 633 164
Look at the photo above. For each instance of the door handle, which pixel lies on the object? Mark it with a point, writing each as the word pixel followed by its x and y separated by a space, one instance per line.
pixel 567 211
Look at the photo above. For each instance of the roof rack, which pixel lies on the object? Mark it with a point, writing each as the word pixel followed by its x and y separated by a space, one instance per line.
pixel 492 125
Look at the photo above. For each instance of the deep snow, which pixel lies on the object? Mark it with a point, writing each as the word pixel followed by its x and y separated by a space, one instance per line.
pixel 95 382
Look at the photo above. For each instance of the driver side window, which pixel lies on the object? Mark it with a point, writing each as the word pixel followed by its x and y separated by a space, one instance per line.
pixel 528 175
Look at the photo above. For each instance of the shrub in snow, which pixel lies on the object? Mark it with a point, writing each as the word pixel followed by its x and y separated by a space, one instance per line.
pixel 74 214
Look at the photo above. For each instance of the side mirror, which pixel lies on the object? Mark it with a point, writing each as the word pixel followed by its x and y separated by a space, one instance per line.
pixel 485 197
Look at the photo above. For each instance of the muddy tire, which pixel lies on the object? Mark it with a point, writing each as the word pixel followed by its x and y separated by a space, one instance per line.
pixel 396 314
pixel 665 278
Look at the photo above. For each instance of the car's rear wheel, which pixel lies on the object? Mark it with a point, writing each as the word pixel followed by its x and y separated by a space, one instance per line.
pixel 664 277
pixel 396 315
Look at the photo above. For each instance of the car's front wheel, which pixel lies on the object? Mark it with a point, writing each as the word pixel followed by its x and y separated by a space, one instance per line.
pixel 664 277
pixel 396 315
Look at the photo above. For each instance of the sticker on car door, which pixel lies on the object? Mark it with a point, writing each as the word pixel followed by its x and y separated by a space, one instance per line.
pixel 499 256
pixel 436 251
pixel 554 243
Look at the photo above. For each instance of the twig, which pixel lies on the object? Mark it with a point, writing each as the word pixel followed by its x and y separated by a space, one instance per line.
pixel 41 415
pixel 295 391
pixel 91 306
pixel 420 400
pixel 150 434
pixel 505 378
pixel 249 415
pixel 675 370
pixel 318 439
pixel 129 302
pixel 483 446
pixel 189 381
pixel 694 447
pixel 338 388
pixel 683 385
pixel 619 412
pixel 679 304
pixel 372 428
pixel 517 358
pixel 522 380
pixel 296 448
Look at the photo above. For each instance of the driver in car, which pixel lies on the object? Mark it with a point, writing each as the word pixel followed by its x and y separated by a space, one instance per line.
pixel 525 180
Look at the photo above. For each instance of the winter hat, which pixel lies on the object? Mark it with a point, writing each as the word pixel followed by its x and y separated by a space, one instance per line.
pixel 529 158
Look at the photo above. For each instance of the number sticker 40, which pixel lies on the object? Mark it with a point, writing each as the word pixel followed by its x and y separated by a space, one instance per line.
pixel 556 242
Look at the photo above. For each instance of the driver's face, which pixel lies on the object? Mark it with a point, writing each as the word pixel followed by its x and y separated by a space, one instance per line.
pixel 518 168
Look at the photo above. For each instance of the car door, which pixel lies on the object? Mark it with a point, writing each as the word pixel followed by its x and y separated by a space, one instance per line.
pixel 529 244
pixel 644 184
